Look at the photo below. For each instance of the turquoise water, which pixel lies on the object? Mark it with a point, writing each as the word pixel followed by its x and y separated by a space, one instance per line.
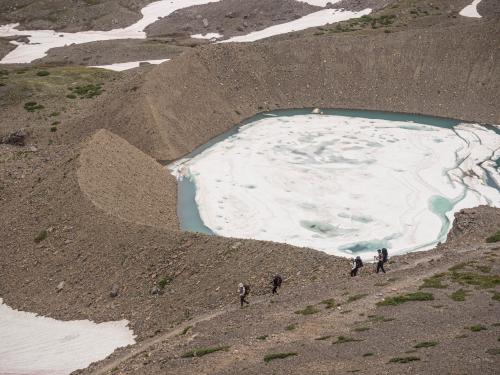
pixel 190 219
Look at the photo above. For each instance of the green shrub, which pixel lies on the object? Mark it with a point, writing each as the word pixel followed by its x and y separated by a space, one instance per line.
pixel 459 295
pixel 271 357
pixel 496 296
pixel 356 297
pixel 203 351
pixel 87 91
pixel 477 328
pixel 344 339
pixel 329 303
pixel 404 359
pixel 309 310
pixel 398 300
pixel 481 281
pixel 33 106
pixel 164 281
pixel 426 344
pixel 434 282
pixel 494 238
pixel 290 327
pixel 41 236
pixel 42 73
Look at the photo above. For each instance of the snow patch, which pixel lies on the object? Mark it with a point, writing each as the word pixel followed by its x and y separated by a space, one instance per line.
pixel 316 19
pixel 33 344
pixel 119 67
pixel 209 36
pixel 471 10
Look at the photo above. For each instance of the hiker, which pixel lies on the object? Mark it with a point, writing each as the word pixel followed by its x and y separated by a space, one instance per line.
pixel 243 290
pixel 277 280
pixel 385 255
pixel 380 261
pixel 354 268
pixel 359 263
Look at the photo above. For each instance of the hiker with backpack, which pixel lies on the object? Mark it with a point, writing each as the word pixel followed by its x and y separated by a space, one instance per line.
pixel 385 255
pixel 277 280
pixel 243 291
pixel 354 268
pixel 380 261
pixel 359 263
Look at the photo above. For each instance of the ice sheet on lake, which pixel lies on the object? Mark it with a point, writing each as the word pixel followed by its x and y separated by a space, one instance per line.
pixel 119 67
pixel 471 10
pixel 344 185
pixel 32 344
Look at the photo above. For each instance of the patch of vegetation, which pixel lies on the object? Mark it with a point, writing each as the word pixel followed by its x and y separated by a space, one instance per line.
pixel 42 73
pixel 404 359
pixel 409 297
pixel 459 295
pixel 477 328
pixel 481 281
pixel 3 73
pixel 271 357
pixel 323 338
pixel 263 337
pixel 426 344
pixel 494 238
pixel 185 330
pixel 53 129
pixel 41 236
pixel 329 303
pixel 54 114
pixel 355 297
pixel 345 339
pixel 457 267
pixel 291 327
pixel 368 354
pixel 361 329
pixel 484 269
pixel 87 91
pixel 434 281
pixel 164 281
pixel 309 310
pixel 203 351
pixel 71 96
pixel 33 106
pixel 495 351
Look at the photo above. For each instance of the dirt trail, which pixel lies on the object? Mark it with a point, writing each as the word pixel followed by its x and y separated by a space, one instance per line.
pixel 405 280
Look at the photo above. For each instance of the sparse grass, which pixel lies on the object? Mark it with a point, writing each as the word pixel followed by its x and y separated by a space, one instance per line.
pixel 55 114
pixel 185 330
pixel 263 337
pixel 477 328
pixel 494 238
pixel 329 303
pixel 426 344
pixel 404 359
pixel 459 295
pixel 323 338
pixel 309 310
pixel 42 73
pixel 368 354
pixel 272 356
pixel 361 329
pixel 345 339
pixel 409 297
pixel 484 269
pixel 495 351
pixel 480 281
pixel 86 91
pixel 203 351
pixel 434 281
pixel 290 327
pixel 33 106
pixel 164 281
pixel 495 296
pixel 41 236
pixel 355 297
pixel 457 267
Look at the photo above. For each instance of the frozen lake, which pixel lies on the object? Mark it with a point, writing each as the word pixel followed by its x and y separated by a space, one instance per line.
pixel 344 182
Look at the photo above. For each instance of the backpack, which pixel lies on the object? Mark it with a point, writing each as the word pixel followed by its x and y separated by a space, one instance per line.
pixel 247 289
pixel 385 254
pixel 359 262
pixel 277 280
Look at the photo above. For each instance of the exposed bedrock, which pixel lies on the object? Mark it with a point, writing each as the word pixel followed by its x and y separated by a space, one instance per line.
pixel 449 72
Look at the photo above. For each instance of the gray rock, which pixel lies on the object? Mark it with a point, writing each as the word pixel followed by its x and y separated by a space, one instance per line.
pixel 205 22
pixel 114 291
pixel 16 138
pixel 60 286
pixel 155 290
